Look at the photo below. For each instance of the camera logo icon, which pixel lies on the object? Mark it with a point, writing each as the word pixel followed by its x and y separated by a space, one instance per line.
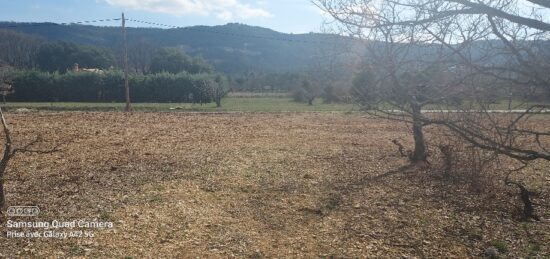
pixel 23 211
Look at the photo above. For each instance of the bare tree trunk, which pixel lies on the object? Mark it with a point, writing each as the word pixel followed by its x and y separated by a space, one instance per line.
pixel 2 194
pixel 5 158
pixel 419 153
pixel 2 197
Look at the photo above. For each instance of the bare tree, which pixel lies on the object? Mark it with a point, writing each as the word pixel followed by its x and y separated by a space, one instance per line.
pixel 457 57
pixel 480 44
pixel 220 89
pixel 10 151
pixel 7 155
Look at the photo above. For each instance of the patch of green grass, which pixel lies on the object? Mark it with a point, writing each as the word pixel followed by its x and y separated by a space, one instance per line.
pixel 497 105
pixel 160 188
pixel 155 198
pixel 77 106
pixel 105 216
pixel 424 221
pixel 533 250
pixel 229 104
pixel 281 105
pixel 245 189
pixel 76 250
pixel 259 94
pixel 500 245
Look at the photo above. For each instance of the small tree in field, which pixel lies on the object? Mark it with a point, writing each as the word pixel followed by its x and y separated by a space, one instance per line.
pixel 220 90
pixel 306 92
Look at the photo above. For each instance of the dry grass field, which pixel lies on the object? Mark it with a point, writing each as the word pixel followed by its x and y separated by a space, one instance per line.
pixel 286 185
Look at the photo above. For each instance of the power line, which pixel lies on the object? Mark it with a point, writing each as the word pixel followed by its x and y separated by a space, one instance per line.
pixel 35 24
pixel 335 37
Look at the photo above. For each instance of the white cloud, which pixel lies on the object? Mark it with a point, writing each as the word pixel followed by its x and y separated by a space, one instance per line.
pixel 222 9
pixel 225 15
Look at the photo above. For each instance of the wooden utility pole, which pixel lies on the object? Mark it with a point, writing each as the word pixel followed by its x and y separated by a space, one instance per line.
pixel 126 85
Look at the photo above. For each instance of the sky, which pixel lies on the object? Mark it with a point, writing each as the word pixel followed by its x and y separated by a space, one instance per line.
pixel 289 16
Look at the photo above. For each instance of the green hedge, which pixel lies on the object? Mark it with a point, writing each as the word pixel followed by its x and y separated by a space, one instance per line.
pixel 36 86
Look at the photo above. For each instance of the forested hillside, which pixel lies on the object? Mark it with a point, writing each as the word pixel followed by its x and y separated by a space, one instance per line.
pixel 231 48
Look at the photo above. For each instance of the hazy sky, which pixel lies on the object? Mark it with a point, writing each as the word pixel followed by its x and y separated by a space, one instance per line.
pixel 296 16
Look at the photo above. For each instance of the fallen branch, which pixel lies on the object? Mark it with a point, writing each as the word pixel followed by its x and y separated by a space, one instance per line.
pixel 402 150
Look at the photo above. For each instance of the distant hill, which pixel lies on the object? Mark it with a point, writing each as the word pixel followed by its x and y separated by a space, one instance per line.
pixel 232 48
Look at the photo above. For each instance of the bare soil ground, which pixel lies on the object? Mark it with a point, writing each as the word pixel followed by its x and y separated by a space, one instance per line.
pixel 182 185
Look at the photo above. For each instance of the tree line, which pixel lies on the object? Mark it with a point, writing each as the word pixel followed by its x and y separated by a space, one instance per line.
pixel 40 86
pixel 42 71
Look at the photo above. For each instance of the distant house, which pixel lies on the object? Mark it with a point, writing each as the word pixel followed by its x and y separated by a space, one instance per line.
pixel 76 68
